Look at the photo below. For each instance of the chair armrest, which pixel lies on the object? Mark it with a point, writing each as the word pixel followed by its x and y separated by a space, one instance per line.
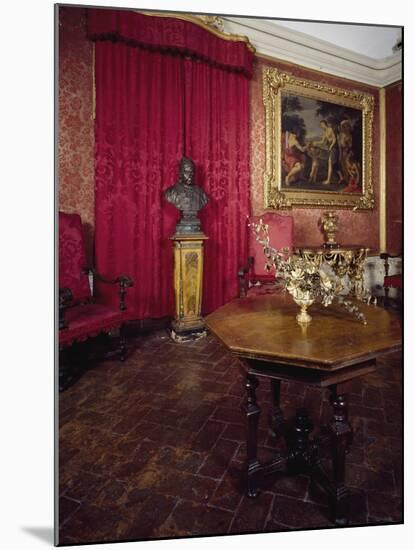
pixel 65 301
pixel 241 274
pixel 385 256
pixel 123 281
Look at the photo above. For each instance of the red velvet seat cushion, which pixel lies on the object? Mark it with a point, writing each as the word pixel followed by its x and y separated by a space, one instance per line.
pixel 72 258
pixel 281 236
pixel 89 320
pixel 265 287
pixel 393 281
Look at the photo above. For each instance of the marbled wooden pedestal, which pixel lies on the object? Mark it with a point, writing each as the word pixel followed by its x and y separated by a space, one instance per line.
pixel 188 280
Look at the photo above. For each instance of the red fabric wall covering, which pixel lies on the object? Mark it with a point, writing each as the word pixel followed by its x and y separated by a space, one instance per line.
pixel 394 132
pixel 354 227
pixel 76 171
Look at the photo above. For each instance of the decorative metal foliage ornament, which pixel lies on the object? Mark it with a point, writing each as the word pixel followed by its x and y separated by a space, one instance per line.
pixel 305 282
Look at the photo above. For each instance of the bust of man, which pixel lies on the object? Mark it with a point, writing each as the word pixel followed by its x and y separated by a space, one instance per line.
pixel 187 197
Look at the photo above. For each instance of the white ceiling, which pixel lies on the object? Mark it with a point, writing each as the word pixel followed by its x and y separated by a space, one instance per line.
pixel 372 41
pixel 359 52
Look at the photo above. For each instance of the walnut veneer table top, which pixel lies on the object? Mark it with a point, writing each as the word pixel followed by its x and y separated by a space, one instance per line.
pixel 265 328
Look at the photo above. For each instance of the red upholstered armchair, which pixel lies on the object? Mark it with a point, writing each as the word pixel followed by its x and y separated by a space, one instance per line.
pixel 80 316
pixel 253 275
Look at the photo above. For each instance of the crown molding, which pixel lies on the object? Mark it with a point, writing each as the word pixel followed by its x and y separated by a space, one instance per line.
pixel 289 45
pixel 212 24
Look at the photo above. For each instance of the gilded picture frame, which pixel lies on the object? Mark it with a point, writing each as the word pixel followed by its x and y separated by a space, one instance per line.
pixel 318 144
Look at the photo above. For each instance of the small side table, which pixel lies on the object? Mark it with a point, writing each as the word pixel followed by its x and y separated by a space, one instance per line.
pixel 344 260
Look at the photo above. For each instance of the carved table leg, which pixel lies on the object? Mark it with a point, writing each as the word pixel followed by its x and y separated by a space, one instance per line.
pixel 300 449
pixel 252 411
pixel 341 436
pixel 277 421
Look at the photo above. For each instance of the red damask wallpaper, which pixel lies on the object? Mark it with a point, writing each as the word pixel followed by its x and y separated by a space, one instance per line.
pixel 393 96
pixel 354 227
pixel 76 125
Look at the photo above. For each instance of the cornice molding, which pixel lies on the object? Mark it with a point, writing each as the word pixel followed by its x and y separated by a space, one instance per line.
pixel 210 23
pixel 289 45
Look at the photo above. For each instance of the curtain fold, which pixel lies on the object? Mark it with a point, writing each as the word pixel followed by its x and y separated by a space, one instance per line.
pixel 217 139
pixel 139 142
pixel 169 34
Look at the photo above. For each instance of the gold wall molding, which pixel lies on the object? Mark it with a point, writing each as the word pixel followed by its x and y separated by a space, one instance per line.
pixel 209 23
pixel 383 172
pixel 213 21
pixel 316 72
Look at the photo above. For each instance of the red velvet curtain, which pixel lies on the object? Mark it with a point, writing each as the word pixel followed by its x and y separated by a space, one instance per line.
pixel 217 139
pixel 139 142
pixel 169 34
pixel 151 108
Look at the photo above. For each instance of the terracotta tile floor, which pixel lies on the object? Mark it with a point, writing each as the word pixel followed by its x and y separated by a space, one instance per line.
pixel 154 448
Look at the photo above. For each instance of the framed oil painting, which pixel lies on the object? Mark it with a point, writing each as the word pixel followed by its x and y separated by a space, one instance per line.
pixel 318 144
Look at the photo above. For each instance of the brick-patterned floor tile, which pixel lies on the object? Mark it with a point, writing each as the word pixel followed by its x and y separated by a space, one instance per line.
pixel 296 513
pixel 383 507
pixel 156 448
pixel 84 485
pixel 293 486
pixel 216 463
pixel 91 523
pixel 67 507
pixel 189 518
pixel 208 436
pixel 252 514
pixel 145 518
pixel 230 490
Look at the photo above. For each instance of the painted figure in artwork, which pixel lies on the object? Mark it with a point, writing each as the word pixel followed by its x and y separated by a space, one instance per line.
pixel 330 142
pixel 293 157
pixel 345 146
pixel 353 171
pixel 315 155
pixel 320 145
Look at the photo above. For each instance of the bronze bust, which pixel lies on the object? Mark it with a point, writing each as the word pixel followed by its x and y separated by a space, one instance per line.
pixel 187 197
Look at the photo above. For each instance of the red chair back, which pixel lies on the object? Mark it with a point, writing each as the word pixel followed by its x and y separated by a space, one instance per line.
pixel 280 234
pixel 72 257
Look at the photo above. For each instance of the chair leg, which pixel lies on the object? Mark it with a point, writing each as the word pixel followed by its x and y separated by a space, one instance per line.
pixel 123 350
pixel 68 368
pixel 242 284
pixel 64 378
pixel 386 298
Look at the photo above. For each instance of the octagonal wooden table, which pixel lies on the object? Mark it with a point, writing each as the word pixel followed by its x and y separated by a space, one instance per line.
pixel 328 353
